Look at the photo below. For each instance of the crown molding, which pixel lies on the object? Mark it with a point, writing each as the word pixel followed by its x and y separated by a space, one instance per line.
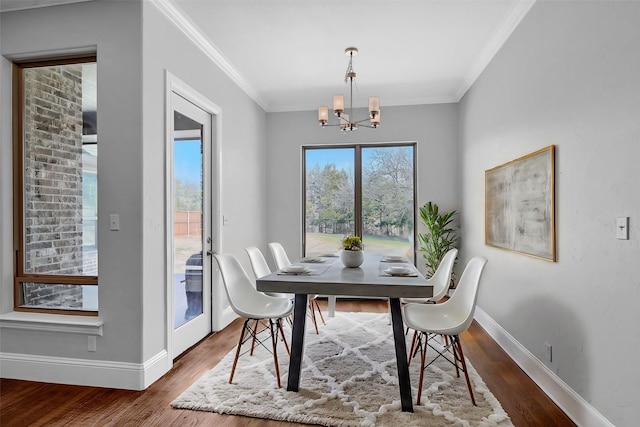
pixel 189 28
pixel 519 10
pixel 11 5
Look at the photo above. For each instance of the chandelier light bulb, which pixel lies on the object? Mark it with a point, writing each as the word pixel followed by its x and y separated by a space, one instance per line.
pixel 338 105
pixel 374 106
pixel 323 115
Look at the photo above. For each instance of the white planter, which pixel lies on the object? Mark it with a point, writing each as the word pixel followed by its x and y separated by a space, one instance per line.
pixel 352 258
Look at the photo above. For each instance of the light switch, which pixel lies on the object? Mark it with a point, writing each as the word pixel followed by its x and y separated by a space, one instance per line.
pixel 622 228
pixel 114 222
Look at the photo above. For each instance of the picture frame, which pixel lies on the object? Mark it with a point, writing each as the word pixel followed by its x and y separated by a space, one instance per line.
pixel 520 205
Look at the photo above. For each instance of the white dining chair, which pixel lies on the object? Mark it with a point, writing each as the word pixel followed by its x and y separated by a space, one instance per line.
pixel 255 307
pixel 440 280
pixel 261 269
pixel 450 319
pixel 282 261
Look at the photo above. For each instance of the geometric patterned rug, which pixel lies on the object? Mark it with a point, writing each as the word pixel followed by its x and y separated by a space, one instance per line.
pixel 348 378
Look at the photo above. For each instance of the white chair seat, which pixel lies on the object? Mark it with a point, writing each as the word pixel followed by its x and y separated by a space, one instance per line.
pixel 437 318
pixel 261 306
pixel 416 300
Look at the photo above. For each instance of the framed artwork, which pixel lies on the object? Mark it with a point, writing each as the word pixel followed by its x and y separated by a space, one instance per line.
pixel 519 205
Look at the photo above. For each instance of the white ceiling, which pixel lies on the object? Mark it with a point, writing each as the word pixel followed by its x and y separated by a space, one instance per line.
pixel 289 54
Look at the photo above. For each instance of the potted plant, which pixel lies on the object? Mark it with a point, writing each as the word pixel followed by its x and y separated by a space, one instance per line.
pixel 440 238
pixel 352 251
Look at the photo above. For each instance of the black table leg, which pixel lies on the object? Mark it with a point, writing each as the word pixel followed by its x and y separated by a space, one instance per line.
pixel 404 381
pixel 297 342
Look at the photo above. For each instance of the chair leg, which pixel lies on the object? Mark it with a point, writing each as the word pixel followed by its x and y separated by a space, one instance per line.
pixel 313 316
pixel 423 358
pixel 414 347
pixel 255 332
pixel 235 360
pixel 457 346
pixel 284 339
pixel 453 350
pixel 315 301
pixel 274 343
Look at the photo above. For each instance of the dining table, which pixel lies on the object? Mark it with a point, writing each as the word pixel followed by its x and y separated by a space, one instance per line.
pixel 374 278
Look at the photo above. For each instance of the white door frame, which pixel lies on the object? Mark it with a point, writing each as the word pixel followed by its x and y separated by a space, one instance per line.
pixel 175 85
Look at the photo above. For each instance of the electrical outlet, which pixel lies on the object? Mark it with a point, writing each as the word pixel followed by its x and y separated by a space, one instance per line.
pixel 548 352
pixel 91 343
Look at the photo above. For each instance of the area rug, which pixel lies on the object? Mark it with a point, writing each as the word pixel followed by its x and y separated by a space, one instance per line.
pixel 348 379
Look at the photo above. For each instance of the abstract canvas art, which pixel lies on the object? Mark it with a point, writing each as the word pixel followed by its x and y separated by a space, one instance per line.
pixel 519 205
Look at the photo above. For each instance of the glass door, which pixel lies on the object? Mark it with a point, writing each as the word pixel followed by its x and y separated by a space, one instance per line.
pixel 191 231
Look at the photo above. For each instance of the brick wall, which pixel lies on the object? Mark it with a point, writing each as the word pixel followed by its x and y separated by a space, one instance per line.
pixel 53 179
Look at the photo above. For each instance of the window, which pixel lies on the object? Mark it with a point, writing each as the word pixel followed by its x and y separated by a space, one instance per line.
pixel 365 190
pixel 55 185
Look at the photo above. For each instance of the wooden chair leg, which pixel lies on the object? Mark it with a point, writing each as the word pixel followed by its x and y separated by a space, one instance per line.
pixel 423 358
pixel 313 316
pixel 255 332
pixel 414 347
pixel 235 361
pixel 457 346
pixel 274 344
pixel 315 301
pixel 284 339
pixel 455 355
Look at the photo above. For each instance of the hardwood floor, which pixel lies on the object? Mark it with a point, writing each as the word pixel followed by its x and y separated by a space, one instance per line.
pixel 24 403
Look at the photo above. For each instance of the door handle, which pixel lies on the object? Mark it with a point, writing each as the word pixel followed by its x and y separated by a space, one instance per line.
pixel 210 252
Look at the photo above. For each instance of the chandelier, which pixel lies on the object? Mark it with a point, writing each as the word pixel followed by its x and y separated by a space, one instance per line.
pixel 345 120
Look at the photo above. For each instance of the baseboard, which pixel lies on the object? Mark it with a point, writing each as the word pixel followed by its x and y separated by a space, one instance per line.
pixel 95 373
pixel 155 367
pixel 576 408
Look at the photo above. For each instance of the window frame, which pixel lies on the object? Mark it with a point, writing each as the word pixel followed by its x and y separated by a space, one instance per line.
pixel 17 124
pixel 357 171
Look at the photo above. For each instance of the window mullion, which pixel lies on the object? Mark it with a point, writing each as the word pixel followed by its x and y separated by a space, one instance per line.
pixel 357 211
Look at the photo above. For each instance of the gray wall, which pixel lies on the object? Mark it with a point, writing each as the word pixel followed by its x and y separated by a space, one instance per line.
pixel 433 127
pixel 569 76
pixel 86 26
